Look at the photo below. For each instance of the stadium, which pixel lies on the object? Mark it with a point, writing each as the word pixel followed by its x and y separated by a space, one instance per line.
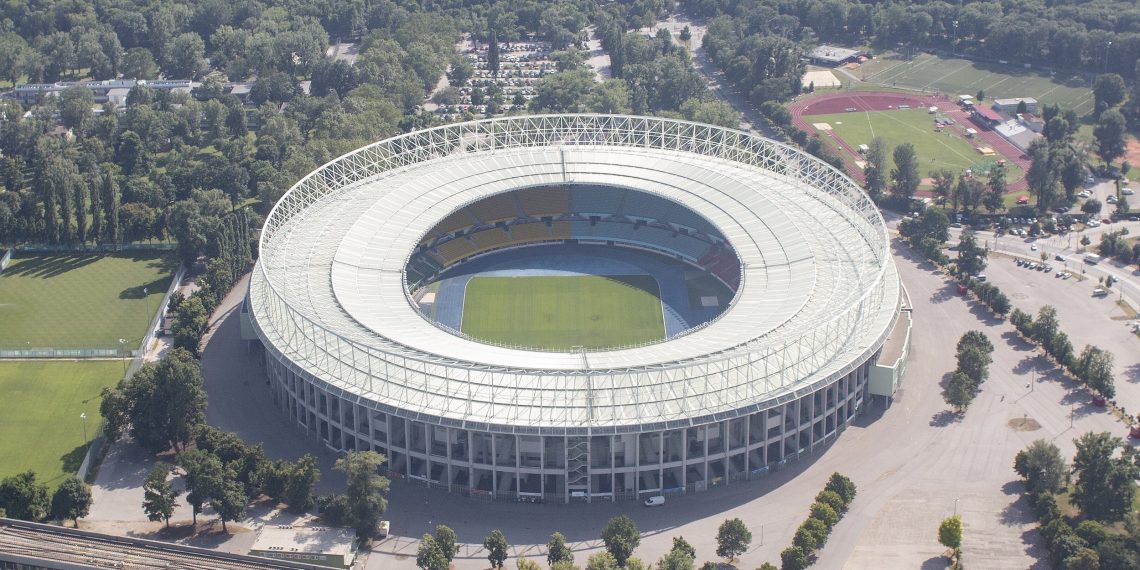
pixel 577 307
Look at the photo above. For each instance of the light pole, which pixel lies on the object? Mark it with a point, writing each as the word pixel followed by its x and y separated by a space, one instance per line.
pixel 955 506
pixel 1106 48
pixel 83 416
pixel 954 44
pixel 122 347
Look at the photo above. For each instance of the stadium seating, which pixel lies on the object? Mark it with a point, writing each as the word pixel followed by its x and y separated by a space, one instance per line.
pixel 495 208
pixel 458 220
pixel 524 233
pixel 492 238
pixel 643 205
pixel 596 199
pixel 455 250
pixel 546 201
pixel 560 230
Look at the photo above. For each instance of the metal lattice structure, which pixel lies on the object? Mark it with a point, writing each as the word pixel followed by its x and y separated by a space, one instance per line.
pixel 817 298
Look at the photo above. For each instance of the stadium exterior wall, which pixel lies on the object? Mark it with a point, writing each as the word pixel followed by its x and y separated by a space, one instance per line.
pixel 582 465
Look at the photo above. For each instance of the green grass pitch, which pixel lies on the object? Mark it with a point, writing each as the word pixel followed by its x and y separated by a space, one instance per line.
pixel 80 301
pixel 39 413
pixel 953 76
pixel 560 313
pixel 935 150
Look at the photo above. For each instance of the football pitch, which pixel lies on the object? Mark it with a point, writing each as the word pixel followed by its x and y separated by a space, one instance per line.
pixel 560 313
pixel 934 150
pixel 40 414
pixel 953 76
pixel 80 301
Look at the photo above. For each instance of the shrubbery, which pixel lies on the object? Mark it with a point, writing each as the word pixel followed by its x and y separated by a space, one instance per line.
pixel 829 507
pixel 1093 367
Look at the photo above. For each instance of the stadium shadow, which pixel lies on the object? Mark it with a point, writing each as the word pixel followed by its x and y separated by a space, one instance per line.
pixel 136 292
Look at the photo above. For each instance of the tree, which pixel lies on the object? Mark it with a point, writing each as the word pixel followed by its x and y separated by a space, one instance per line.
pixel 825 514
pixel 732 539
pixel 794 558
pixel 1043 174
pixel 971 257
pixel 1092 206
pixel 675 560
pixel 71 500
pixel 1046 325
pixel 679 543
pixel 1105 483
pixel 1094 367
pixel 1111 135
pixel 300 480
pixel 602 561
pixel 950 532
pixel 75 105
pixel 944 188
pixel 430 556
pixel 496 545
pixel 186 57
pixel 842 486
pixel 159 497
pixel 621 538
pixel 1109 91
pixel 365 492
pixel 811 535
pixel 557 551
pixel 1042 466
pixel 446 540
pixel 203 478
pixel 1084 559
pixel 493 53
pixel 905 174
pixel 162 403
pixel 525 563
pixel 22 498
pixel 230 500
pixel 960 391
pixel 874 172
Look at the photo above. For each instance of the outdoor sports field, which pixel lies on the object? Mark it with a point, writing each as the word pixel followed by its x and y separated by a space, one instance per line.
pixel 560 313
pixel 953 76
pixel 80 301
pixel 39 413
pixel 935 150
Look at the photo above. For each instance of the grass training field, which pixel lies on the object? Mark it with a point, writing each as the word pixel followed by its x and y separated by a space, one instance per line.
pixel 934 150
pixel 564 312
pixel 963 77
pixel 39 413
pixel 80 301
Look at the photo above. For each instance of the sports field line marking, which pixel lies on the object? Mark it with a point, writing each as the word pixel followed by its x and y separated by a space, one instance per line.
pixel 914 128
pixel 867 115
pixel 903 66
pixel 907 70
pixel 990 87
pixel 967 64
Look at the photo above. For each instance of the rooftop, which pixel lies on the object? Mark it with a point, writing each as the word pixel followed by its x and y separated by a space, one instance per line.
pixel 833 53
pixel 306 539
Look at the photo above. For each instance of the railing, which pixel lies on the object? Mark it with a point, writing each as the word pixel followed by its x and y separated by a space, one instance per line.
pixel 769 363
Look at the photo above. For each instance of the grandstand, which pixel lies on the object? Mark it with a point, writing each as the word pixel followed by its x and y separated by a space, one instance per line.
pixel 778 374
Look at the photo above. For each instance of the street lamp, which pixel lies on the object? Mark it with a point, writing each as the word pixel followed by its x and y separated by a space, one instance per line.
pixel 955 506
pixel 1106 48
pixel 122 347
pixel 955 42
pixel 83 416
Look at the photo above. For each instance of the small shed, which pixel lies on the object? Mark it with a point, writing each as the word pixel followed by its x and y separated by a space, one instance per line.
pixel 932 110
pixel 863 149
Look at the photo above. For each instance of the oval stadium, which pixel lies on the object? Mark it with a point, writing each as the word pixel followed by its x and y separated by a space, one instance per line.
pixel 577 307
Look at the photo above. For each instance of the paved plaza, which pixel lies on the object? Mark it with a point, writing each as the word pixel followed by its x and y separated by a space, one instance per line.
pixel 914 463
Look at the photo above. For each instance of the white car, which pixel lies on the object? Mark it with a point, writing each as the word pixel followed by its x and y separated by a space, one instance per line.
pixel 1111 199
pixel 1127 192
pixel 1083 194
pixel 1033 247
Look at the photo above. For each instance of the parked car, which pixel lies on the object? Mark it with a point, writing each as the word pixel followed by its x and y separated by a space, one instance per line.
pixel 655 501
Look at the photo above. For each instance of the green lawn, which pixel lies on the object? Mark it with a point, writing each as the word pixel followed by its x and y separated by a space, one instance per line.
pixel 39 413
pixel 963 77
pixel 80 301
pixel 935 150
pixel 560 313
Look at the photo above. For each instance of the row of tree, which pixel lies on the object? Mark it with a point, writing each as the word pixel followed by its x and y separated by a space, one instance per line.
pixel 974 355
pixel 620 537
pixel 1115 245
pixel 1093 367
pixel 22 497
pixel 1105 470
pixel 830 505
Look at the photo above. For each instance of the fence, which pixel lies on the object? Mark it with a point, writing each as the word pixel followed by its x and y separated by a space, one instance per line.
pixel 94 248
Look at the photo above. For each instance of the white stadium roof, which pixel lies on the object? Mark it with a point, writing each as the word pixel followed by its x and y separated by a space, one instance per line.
pixel 818 291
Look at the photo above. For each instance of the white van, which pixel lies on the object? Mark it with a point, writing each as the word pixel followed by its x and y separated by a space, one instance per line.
pixel 655 501
pixel 1092 259
pixel 1098 292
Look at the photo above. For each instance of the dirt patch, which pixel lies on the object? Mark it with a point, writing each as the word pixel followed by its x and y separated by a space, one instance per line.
pixel 1024 424
pixel 1132 151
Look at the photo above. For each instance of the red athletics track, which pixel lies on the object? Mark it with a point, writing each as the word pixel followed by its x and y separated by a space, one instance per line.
pixel 880 101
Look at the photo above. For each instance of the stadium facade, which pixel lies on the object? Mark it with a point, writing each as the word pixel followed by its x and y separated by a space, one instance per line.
pixel 781 372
